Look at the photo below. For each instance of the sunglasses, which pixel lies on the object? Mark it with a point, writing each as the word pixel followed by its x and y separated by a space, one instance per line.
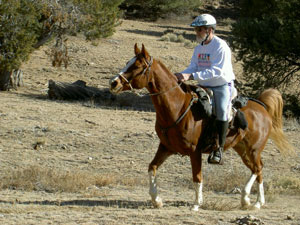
pixel 199 29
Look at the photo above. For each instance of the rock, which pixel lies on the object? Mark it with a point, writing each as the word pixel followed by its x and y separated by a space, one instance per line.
pixel 248 220
pixel 289 217
pixel 39 144
pixel 236 191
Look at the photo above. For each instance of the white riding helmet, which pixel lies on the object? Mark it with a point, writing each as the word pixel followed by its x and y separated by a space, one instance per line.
pixel 205 20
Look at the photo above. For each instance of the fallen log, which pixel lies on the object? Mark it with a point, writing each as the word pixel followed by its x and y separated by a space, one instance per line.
pixel 76 91
pixel 79 91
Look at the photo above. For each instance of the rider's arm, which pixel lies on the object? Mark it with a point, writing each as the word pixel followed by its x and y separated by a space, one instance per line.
pixel 193 67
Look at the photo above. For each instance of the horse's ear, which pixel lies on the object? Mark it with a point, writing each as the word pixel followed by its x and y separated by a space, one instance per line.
pixel 145 53
pixel 136 49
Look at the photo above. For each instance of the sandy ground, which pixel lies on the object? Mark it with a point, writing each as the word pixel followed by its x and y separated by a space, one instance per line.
pixel 108 139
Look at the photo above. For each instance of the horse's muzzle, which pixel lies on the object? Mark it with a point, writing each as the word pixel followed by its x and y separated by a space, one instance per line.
pixel 115 85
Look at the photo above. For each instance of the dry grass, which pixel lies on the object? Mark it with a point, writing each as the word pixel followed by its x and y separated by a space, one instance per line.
pixel 281 185
pixel 173 37
pixel 291 124
pixel 226 183
pixel 284 185
pixel 277 185
pixel 221 205
pixel 36 178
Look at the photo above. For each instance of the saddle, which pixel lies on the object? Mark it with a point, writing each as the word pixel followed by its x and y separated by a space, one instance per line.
pixel 239 118
pixel 204 107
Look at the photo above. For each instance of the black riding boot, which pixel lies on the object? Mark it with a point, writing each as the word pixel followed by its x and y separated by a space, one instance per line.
pixel 216 156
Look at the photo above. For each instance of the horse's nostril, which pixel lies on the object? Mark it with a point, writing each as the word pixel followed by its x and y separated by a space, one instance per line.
pixel 113 84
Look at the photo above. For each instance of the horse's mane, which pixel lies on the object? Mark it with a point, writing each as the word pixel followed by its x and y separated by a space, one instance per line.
pixel 185 87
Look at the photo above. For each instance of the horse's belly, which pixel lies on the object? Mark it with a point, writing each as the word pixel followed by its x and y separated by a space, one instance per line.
pixel 177 144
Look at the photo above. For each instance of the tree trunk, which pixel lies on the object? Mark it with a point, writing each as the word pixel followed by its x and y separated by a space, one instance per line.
pixel 12 79
pixel 5 80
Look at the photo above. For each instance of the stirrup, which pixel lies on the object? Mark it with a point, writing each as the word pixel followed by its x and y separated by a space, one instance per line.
pixel 215 157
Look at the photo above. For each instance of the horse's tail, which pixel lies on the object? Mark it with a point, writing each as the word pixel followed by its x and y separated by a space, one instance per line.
pixel 273 100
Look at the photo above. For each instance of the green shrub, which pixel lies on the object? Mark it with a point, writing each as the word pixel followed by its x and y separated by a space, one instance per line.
pixel 173 37
pixel 20 28
pixel 154 9
pixel 267 38
pixel 26 25
pixel 99 17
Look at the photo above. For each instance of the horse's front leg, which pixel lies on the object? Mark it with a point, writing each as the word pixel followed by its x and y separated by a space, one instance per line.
pixel 161 155
pixel 196 161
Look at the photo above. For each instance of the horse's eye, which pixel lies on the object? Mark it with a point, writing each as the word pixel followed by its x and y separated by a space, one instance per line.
pixel 204 97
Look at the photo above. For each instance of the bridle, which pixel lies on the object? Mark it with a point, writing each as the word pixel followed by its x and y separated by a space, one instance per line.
pixel 147 69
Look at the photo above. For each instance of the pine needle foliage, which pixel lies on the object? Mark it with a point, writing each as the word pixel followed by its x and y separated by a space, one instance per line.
pixel 28 24
pixel 154 9
pixel 99 17
pixel 19 30
pixel 267 38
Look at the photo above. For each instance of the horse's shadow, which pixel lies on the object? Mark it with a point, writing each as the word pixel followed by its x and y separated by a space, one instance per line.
pixel 104 203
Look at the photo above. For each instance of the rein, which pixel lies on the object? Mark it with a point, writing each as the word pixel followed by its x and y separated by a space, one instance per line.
pixel 165 129
pixel 148 69
pixel 159 93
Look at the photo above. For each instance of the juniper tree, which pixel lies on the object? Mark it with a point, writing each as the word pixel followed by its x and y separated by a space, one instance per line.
pixel 154 9
pixel 27 24
pixel 267 38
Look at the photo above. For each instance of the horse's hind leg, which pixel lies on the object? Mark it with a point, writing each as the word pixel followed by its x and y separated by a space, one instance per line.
pixel 260 191
pixel 245 199
pixel 260 201
pixel 251 159
pixel 161 155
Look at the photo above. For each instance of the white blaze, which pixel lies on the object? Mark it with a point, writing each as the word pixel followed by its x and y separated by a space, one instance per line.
pixel 129 64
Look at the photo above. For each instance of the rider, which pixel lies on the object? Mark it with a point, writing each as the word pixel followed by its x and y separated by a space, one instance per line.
pixel 211 67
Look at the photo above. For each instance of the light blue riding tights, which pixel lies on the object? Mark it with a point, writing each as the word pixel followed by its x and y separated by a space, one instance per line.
pixel 222 100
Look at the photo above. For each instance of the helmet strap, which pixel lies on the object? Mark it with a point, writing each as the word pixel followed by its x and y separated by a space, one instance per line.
pixel 207 35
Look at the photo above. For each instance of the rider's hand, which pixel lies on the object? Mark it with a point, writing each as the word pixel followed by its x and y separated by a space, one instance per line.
pixel 183 76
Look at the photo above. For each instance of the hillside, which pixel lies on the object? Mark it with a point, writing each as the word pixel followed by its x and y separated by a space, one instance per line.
pixel 52 152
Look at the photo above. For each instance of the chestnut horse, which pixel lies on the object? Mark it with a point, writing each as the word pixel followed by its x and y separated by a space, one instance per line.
pixel 179 131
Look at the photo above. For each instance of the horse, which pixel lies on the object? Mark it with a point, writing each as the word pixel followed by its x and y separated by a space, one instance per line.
pixel 179 130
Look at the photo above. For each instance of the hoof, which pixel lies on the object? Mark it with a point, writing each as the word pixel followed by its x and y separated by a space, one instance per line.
pixel 246 201
pixel 157 202
pixel 195 208
pixel 258 205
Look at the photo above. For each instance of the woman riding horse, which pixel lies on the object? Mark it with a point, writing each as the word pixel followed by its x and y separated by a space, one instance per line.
pixel 211 67
pixel 180 132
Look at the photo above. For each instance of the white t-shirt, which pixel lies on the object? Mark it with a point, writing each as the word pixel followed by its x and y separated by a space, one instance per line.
pixel 211 64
